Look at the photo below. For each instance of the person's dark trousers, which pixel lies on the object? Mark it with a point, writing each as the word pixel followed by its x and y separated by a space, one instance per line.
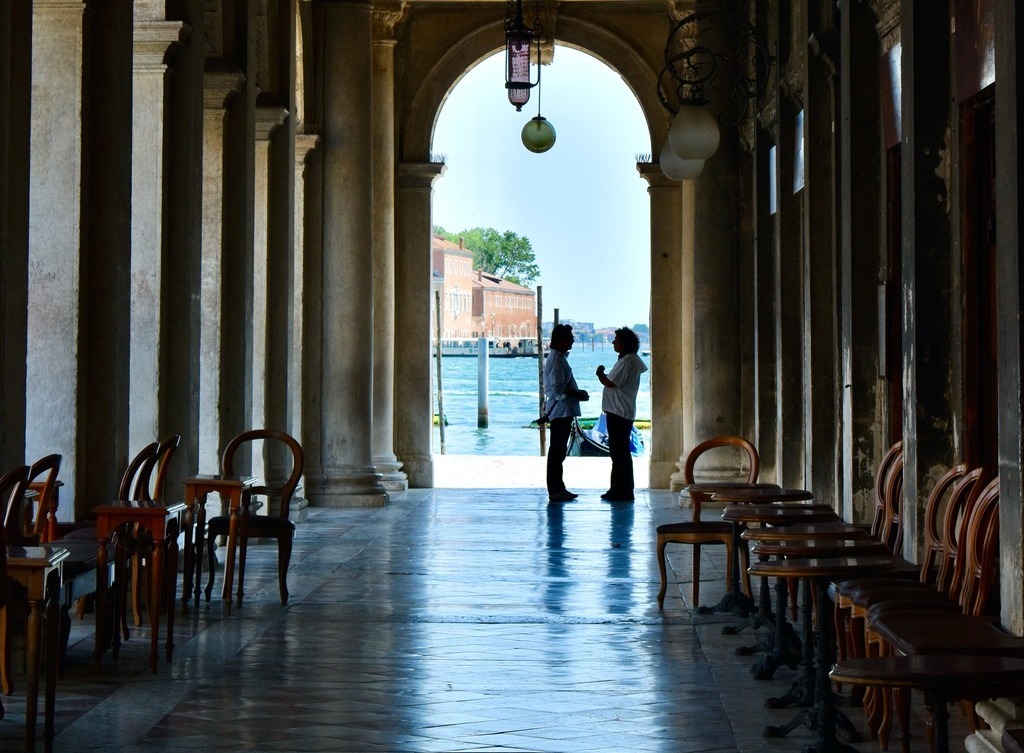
pixel 619 429
pixel 560 428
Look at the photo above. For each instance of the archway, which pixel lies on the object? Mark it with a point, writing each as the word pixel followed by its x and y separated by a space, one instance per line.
pixel 586 213
pixel 450 45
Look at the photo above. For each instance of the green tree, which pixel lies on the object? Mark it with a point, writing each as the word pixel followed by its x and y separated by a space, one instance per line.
pixel 504 254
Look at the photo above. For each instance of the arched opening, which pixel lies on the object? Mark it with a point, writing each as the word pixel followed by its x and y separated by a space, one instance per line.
pixel 585 211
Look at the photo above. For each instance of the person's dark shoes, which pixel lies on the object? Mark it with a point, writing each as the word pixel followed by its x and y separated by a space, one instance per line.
pixel 562 496
pixel 613 497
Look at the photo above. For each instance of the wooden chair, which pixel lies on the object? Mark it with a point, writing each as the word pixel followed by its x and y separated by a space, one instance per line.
pixel 697 532
pixel 275 524
pixel 137 482
pixel 12 493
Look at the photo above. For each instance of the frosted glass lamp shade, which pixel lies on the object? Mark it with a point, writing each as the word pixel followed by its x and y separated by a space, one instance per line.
pixel 694 133
pixel 538 134
pixel 676 168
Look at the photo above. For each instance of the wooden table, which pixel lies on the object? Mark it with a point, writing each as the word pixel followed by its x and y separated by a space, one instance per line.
pixel 736 601
pixel 196 489
pixel 38 570
pixel 778 646
pixel 943 678
pixel 822 716
pixel 161 520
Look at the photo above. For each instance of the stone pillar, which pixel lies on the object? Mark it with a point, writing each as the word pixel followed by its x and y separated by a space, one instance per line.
pixel 1010 302
pixel 864 431
pixel 218 90
pixel 15 93
pixel 667 305
pixel 821 459
pixel 153 41
pixel 262 347
pixel 413 301
pixel 347 476
pixel 299 358
pixel 926 260
pixel 384 251
pixel 55 238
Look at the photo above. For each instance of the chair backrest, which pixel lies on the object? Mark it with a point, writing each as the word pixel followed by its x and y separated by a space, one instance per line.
pixel 981 543
pixel 953 526
pixel 165 450
pixel 934 533
pixel 271 488
pixel 894 452
pixel 745 446
pixel 139 484
pixel 12 495
pixel 891 533
pixel 38 528
pixel 12 501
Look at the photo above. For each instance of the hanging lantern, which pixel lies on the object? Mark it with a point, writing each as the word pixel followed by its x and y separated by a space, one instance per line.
pixel 676 168
pixel 518 48
pixel 694 133
pixel 538 134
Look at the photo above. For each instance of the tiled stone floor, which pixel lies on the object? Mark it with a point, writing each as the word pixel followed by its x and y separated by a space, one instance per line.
pixel 450 620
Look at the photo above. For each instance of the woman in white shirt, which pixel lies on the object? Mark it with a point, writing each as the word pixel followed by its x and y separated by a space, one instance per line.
pixel 621 384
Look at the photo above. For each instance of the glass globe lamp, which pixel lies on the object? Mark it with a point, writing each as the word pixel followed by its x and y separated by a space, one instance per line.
pixel 676 168
pixel 694 133
pixel 538 134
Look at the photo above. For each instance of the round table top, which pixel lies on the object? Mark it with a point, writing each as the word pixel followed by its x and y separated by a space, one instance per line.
pixel 713 487
pixel 757 495
pixel 932 671
pixel 830 529
pixel 778 515
pixel 814 548
pixel 826 567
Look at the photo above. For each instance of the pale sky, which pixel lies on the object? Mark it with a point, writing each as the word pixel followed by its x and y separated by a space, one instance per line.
pixel 582 204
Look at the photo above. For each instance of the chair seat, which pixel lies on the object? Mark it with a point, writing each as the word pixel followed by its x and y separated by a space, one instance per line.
pixel 261 523
pixel 868 597
pixel 695 527
pixel 923 632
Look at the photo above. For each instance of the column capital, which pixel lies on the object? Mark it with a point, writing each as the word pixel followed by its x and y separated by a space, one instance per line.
pixel 651 172
pixel 153 40
pixel 386 16
pixel 420 174
pixel 304 144
pixel 268 119
pixel 220 86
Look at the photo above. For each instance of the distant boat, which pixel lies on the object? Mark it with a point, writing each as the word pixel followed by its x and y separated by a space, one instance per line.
pixel 594 442
pixel 469 347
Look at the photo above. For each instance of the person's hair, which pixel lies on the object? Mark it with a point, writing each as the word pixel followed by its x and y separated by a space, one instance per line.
pixel 628 340
pixel 559 332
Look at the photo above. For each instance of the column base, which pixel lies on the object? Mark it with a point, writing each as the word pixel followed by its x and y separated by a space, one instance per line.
pixel 662 474
pixel 392 477
pixel 346 489
pixel 420 473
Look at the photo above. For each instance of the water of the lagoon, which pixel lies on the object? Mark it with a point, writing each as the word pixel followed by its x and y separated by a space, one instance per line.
pixel 513 401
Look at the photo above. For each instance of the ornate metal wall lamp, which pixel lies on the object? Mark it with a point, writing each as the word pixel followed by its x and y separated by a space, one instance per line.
pixel 702 47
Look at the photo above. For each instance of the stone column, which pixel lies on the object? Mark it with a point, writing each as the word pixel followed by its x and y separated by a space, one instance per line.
pixel 926 260
pixel 15 93
pixel 218 90
pixel 55 237
pixel 261 348
pixel 153 41
pixel 1010 221
pixel 413 301
pixel 667 314
pixel 299 358
pixel 821 459
pixel 384 251
pixel 347 475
